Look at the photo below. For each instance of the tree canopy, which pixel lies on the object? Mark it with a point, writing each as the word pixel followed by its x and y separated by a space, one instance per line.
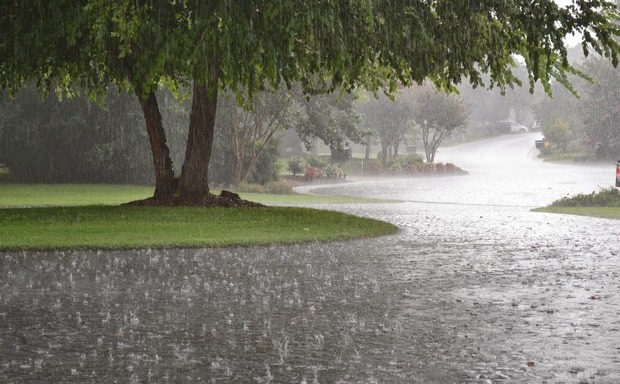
pixel 241 45
pixel 322 44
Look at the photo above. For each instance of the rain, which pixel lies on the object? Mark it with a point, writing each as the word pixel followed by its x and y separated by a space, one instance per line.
pixel 474 288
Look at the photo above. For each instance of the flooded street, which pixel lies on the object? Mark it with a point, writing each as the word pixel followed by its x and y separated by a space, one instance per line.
pixel 474 288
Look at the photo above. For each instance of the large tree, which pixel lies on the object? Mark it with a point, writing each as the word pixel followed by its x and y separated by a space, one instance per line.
pixel 325 46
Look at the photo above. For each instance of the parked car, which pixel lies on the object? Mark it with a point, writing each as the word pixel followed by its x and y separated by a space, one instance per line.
pixel 507 126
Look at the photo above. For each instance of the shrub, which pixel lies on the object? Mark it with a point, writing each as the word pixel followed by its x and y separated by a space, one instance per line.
pixel 5 174
pixel 315 161
pixel 333 171
pixel 428 168
pixel 409 164
pixel 395 167
pixel 453 169
pixel 297 164
pixel 559 133
pixel 606 197
pixel 414 158
pixel 412 169
pixel 312 173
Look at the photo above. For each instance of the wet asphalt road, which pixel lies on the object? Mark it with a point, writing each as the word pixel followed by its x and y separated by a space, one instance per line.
pixel 516 296
pixel 474 288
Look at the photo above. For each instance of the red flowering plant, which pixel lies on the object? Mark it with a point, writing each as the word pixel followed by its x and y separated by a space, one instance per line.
pixel 312 173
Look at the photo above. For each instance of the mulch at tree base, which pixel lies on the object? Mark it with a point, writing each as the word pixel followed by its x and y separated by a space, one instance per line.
pixel 225 199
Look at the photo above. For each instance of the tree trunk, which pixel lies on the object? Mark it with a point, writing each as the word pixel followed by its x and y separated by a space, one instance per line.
pixel 165 185
pixel 384 151
pixel 194 183
pixel 427 149
pixel 239 145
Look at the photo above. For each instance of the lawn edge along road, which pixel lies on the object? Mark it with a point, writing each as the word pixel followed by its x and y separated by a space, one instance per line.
pixel 126 227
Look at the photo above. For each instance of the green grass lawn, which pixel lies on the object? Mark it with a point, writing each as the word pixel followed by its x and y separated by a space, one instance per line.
pixel 50 195
pixel 89 217
pixel 604 203
pixel 603 212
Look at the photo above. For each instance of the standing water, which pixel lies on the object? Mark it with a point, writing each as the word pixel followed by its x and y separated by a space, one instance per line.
pixel 474 288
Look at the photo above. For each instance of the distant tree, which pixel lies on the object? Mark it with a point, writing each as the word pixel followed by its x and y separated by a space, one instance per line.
pixel 519 100
pixel 489 106
pixel 599 109
pixel 390 119
pixel 331 118
pixel 222 169
pixel 246 134
pixel 438 115
pixel 74 140
pixel 563 105
pixel 252 129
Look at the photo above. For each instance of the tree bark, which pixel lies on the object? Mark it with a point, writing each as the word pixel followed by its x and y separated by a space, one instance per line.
pixel 384 152
pixel 239 144
pixel 165 184
pixel 194 182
